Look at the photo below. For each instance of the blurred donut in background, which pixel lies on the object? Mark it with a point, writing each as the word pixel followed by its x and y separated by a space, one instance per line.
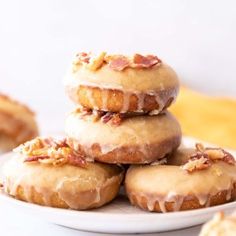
pixel 221 224
pixel 17 123
pixel 208 118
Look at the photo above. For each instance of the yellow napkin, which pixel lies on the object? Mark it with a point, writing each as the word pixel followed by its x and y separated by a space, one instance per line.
pixel 211 119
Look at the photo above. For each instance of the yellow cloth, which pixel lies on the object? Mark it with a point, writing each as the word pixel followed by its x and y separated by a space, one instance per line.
pixel 211 119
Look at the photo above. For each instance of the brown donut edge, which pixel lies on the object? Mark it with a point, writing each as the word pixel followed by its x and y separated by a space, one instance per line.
pixel 190 202
pixel 93 98
pixel 128 154
pixel 108 192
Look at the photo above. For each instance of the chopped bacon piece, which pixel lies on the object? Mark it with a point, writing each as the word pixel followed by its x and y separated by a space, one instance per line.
pixel 49 142
pixel 83 57
pixel 203 158
pixel 87 111
pixel 119 63
pixel 145 61
pixel 51 151
pixel 107 117
pixel 100 113
pixel 62 143
pixel 35 158
pixel 76 160
pixel 201 163
pixel 116 119
pixel 228 158
pixel 104 116
pixel 115 62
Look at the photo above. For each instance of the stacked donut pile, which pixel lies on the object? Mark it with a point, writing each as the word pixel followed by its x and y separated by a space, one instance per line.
pixel 122 117
pixel 120 128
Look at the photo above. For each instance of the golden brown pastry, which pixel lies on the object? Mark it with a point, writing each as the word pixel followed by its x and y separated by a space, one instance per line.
pixel 48 172
pixel 191 179
pixel 117 138
pixel 211 119
pixel 17 123
pixel 118 83
pixel 220 225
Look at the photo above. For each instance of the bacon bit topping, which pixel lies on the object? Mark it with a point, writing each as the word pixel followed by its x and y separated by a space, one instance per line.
pixel 203 158
pixel 118 62
pixel 96 115
pixel 145 61
pixel 197 164
pixel 35 158
pixel 114 118
pixel 50 151
pixel 83 57
pixel 115 62
pixel 107 117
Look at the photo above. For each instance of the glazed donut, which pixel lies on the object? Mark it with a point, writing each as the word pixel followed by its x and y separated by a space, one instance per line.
pixel 113 138
pixel 121 84
pixel 193 179
pixel 56 176
pixel 17 123
pixel 220 225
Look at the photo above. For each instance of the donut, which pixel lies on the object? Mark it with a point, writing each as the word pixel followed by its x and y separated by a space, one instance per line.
pixel 116 138
pixel 121 84
pixel 191 179
pixel 48 172
pixel 220 225
pixel 17 123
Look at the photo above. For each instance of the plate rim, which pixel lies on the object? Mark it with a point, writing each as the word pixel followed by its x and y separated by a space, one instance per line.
pixel 142 213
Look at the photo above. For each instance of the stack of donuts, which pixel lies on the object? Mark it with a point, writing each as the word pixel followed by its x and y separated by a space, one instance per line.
pixel 122 117
pixel 120 129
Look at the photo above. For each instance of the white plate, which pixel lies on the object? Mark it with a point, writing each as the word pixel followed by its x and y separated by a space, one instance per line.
pixel 119 216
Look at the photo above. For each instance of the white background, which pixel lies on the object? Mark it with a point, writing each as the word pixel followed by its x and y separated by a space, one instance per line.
pixel 39 38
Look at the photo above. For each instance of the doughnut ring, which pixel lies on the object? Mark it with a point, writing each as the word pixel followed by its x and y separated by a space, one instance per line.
pixel 17 123
pixel 125 140
pixel 135 88
pixel 191 179
pixel 56 182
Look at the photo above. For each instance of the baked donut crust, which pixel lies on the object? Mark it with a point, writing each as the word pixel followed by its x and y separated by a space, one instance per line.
pixel 131 90
pixel 17 123
pixel 189 203
pixel 138 139
pixel 166 188
pixel 64 186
